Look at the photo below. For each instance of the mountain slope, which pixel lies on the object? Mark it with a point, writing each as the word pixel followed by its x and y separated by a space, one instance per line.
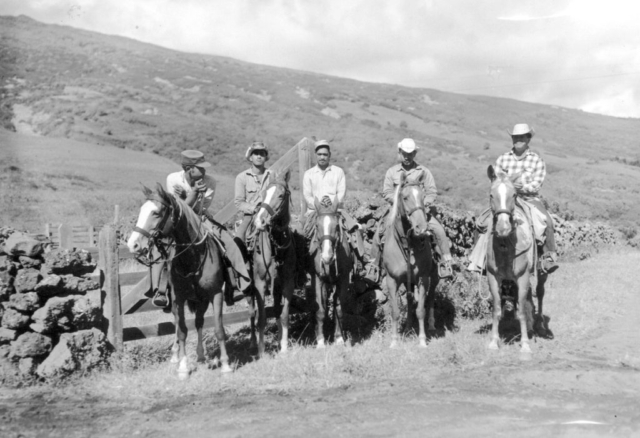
pixel 63 82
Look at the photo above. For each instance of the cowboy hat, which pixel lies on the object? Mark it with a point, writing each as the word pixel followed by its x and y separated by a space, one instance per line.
pixel 194 158
pixel 521 129
pixel 256 146
pixel 407 145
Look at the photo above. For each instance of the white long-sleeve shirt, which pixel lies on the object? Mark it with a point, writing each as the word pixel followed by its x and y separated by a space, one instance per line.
pixel 318 183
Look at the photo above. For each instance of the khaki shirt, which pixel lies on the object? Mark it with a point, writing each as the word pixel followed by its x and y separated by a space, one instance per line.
pixel 317 183
pixel 248 188
pixel 178 179
pixel 392 179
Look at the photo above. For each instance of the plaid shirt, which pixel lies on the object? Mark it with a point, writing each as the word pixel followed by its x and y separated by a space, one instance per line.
pixel 532 168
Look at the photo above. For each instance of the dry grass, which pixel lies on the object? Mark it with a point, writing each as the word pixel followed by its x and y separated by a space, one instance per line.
pixel 581 297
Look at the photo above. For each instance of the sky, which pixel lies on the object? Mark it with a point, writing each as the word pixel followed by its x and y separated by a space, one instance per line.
pixel 581 54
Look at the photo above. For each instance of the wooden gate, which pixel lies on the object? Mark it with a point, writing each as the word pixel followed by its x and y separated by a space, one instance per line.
pixel 137 299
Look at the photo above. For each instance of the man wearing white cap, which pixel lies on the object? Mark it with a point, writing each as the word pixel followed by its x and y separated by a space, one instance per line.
pixel 196 188
pixel 326 182
pixel 249 185
pixel 533 171
pixel 407 151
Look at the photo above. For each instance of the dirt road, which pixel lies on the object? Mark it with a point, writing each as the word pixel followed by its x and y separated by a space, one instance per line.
pixel 591 389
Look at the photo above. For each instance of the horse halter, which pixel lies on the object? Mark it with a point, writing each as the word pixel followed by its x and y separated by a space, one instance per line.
pixel 329 237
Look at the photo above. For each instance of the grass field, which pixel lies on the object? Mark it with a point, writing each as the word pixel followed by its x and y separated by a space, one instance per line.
pixel 582 297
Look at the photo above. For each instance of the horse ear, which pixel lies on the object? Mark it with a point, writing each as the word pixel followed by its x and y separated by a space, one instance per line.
pixel 403 178
pixel 284 175
pixel 316 204
pixel 491 173
pixel 146 191
pixel 334 204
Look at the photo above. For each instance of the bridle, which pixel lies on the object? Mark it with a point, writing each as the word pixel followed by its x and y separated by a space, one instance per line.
pixel 273 215
pixel 419 206
pixel 158 236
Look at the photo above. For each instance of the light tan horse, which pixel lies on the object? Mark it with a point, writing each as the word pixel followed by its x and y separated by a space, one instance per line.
pixel 510 258
pixel 408 259
pixel 195 268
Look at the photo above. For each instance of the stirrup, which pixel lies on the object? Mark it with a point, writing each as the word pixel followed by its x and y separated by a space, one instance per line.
pixel 548 266
pixel 160 299
pixel 444 270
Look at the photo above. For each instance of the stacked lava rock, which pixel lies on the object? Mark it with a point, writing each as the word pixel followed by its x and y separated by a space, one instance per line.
pixel 573 234
pixel 458 225
pixel 49 312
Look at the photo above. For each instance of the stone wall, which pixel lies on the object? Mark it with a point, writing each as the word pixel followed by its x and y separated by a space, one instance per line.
pixel 50 311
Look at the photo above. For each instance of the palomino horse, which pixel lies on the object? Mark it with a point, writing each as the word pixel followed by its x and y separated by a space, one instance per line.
pixel 408 259
pixel 510 258
pixel 332 266
pixel 195 267
pixel 274 258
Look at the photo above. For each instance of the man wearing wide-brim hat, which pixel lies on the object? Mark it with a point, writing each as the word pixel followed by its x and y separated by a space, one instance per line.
pixel 249 185
pixel 532 169
pixel 414 173
pixel 196 188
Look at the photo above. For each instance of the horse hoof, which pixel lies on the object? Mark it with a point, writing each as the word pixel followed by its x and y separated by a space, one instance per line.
pixel 174 359
pixel 225 369
pixel 423 343
pixel 525 349
pixel 339 341
pixel 320 345
pixel 183 375
pixel 394 344
pixel 493 345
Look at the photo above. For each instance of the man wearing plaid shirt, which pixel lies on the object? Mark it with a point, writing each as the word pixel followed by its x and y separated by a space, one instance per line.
pixel 521 159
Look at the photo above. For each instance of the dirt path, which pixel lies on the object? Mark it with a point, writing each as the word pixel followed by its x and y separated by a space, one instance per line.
pixel 585 390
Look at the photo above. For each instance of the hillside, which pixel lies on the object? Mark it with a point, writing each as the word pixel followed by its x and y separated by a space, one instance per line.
pixel 61 82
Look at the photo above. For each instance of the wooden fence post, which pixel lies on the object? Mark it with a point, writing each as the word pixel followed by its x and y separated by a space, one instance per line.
pixel 65 234
pixel 111 312
pixel 116 215
pixel 304 163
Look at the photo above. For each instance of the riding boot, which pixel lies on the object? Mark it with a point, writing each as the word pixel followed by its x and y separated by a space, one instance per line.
pixel 547 263
pixel 161 280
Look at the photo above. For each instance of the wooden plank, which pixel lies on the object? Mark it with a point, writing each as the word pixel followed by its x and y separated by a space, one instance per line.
pixel 227 212
pixel 137 294
pixel 64 236
pixel 169 328
pixel 305 149
pixel 111 312
pixel 132 278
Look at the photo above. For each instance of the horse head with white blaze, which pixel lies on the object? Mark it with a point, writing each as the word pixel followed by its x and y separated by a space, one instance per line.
pixel 502 200
pixel 327 227
pixel 274 207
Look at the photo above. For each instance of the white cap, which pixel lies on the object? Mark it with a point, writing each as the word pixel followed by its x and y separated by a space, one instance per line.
pixel 407 145
pixel 521 129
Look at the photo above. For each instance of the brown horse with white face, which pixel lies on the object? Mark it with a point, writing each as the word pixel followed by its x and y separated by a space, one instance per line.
pixel 332 266
pixel 195 267
pixel 274 258
pixel 408 258
pixel 510 257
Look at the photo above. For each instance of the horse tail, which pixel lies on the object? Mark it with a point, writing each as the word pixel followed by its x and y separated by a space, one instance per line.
pixel 394 209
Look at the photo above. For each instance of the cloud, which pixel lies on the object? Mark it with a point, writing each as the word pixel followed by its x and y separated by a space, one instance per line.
pixel 575 53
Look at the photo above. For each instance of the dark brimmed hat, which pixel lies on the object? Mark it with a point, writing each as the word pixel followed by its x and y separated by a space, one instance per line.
pixel 322 144
pixel 194 158
pixel 256 146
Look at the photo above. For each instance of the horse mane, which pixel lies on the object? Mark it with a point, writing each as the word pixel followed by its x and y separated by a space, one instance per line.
pixel 179 205
pixel 395 207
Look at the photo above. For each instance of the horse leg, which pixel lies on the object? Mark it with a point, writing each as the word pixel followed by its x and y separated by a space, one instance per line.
pixel 200 311
pixel 175 348
pixel 541 329
pixel 411 310
pixel 340 301
pixel 183 364
pixel 392 288
pixel 260 286
pixel 420 310
pixel 220 335
pixel 494 287
pixel 524 307
pixel 320 293
pixel 431 298
pixel 287 293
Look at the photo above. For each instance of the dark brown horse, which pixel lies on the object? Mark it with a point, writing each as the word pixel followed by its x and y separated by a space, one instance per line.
pixel 274 259
pixel 408 259
pixel 332 266
pixel 511 254
pixel 195 267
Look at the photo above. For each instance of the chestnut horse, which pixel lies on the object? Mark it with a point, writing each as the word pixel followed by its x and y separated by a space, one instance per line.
pixel 408 259
pixel 195 267
pixel 274 258
pixel 332 266
pixel 511 253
